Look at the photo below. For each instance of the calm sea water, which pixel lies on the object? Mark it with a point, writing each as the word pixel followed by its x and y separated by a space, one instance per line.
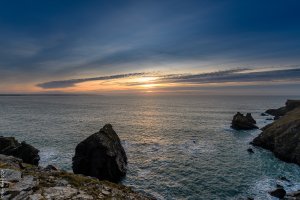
pixel 178 147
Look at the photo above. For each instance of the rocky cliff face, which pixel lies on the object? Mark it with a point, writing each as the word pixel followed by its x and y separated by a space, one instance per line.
pixel 289 105
pixel 282 137
pixel 101 155
pixel 24 181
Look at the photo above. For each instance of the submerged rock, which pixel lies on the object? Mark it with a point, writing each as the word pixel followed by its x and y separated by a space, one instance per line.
pixel 293 195
pixel 284 179
pixel 279 193
pixel 250 150
pixel 241 122
pixel 10 146
pixel 282 137
pixel 101 155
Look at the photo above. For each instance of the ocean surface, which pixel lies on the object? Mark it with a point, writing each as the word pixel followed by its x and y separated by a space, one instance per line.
pixel 177 147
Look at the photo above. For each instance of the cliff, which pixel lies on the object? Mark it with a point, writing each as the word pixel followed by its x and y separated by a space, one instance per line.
pixel 26 181
pixel 282 137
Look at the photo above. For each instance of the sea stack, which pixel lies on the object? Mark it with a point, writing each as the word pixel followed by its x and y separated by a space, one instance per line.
pixel 101 155
pixel 282 137
pixel 241 122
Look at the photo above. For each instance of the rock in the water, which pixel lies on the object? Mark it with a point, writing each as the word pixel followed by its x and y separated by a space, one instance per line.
pixel 279 193
pixel 263 114
pixel 293 195
pixel 284 179
pixel 250 150
pixel 282 137
pixel 10 146
pixel 250 118
pixel 101 155
pixel 241 122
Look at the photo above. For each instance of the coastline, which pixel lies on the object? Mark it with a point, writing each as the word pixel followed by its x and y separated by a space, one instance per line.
pixel 25 181
pixel 192 148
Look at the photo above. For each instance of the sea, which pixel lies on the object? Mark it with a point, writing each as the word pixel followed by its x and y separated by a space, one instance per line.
pixel 178 147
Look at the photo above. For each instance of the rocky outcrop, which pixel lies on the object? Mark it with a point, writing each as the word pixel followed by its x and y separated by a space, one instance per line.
pixel 10 146
pixel 32 182
pixel 282 137
pixel 289 105
pixel 279 193
pixel 101 155
pixel 250 118
pixel 277 112
pixel 241 122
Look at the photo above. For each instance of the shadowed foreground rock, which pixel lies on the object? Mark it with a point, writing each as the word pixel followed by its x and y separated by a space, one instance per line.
pixel 282 137
pixel 101 155
pixel 11 147
pixel 32 182
pixel 241 122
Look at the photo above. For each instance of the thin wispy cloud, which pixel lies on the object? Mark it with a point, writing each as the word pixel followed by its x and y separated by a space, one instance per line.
pixel 73 82
pixel 239 75
pixel 225 76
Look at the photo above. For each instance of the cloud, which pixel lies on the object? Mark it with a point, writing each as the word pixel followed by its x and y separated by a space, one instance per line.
pixel 72 82
pixel 233 75
pixel 236 75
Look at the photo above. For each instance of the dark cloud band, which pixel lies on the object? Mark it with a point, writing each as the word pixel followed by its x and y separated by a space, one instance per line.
pixel 72 82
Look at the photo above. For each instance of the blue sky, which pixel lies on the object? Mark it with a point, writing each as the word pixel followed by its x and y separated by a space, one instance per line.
pixel 46 42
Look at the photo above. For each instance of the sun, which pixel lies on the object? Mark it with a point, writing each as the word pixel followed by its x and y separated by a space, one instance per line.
pixel 149 85
pixel 145 79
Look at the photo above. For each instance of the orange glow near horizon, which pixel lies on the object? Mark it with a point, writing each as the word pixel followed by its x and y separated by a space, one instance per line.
pixel 133 84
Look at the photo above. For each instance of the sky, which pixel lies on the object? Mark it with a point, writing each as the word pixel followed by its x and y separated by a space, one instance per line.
pixel 150 47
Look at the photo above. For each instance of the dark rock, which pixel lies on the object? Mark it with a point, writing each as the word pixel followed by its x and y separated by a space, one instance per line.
pixel 292 104
pixel 51 168
pixel 10 146
pixel 282 137
pixel 293 195
pixel 279 193
pixel 241 122
pixel 269 119
pixel 250 118
pixel 250 150
pixel 263 114
pixel 101 155
pixel 276 117
pixel 277 112
pixel 289 106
